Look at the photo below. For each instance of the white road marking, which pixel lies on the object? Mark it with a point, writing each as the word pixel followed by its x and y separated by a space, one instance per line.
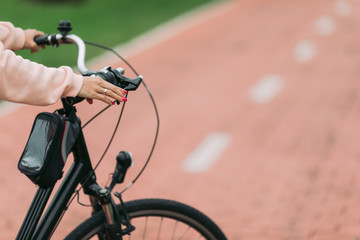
pixel 266 89
pixel 325 25
pixel 304 51
pixel 207 152
pixel 342 8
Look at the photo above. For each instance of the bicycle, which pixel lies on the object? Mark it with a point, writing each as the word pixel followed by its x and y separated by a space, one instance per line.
pixel 137 219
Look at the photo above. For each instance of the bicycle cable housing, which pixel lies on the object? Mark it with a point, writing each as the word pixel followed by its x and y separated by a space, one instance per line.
pixel 122 109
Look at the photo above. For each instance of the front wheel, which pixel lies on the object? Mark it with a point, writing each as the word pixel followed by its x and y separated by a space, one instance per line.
pixel 155 219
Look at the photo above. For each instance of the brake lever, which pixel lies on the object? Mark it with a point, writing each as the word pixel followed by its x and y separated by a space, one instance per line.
pixel 116 77
pixel 130 84
pixel 107 76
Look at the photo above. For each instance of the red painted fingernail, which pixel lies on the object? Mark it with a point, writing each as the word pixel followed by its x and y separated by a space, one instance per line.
pixel 113 103
pixel 124 99
pixel 124 91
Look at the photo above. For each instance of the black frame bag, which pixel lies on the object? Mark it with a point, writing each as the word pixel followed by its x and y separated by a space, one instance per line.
pixel 50 142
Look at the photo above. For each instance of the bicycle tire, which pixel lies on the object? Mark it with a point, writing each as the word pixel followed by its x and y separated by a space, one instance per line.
pixel 173 217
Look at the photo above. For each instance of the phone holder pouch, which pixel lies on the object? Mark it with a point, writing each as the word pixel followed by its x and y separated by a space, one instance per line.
pixel 51 140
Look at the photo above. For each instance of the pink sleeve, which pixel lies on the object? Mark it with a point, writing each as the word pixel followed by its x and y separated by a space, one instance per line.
pixel 27 82
pixel 12 38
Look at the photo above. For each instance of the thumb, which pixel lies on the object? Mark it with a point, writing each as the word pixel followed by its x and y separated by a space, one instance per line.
pixel 34 47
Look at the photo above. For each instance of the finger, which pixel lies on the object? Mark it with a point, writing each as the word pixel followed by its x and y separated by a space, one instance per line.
pixel 103 98
pixel 34 48
pixel 93 87
pixel 113 95
pixel 99 95
pixel 35 33
pixel 118 93
pixel 39 34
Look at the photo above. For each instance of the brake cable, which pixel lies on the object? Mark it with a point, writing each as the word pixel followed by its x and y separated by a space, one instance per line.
pixel 121 112
pixel 114 132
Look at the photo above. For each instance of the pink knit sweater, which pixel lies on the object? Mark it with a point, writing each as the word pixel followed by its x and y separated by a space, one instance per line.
pixel 23 81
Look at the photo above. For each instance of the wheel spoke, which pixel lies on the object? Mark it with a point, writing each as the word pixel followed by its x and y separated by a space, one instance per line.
pixel 200 237
pixel 174 230
pixel 145 227
pixel 156 219
pixel 183 234
pixel 159 232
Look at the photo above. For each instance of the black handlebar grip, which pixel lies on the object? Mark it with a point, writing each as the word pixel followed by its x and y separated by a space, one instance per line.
pixel 43 40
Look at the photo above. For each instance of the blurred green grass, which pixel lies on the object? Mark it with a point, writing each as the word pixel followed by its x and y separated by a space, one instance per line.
pixel 108 22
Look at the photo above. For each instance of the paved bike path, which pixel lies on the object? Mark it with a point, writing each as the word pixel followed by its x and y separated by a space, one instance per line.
pixel 279 78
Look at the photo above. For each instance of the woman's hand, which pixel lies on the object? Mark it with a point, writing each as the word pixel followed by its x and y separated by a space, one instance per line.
pixel 97 88
pixel 93 87
pixel 30 34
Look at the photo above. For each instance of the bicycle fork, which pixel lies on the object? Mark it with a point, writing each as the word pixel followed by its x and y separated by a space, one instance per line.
pixel 101 199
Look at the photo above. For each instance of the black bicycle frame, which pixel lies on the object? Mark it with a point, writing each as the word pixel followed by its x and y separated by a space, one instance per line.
pixel 81 171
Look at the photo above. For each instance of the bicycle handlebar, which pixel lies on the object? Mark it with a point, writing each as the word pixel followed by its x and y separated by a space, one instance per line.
pixel 114 76
pixel 57 39
pixel 41 40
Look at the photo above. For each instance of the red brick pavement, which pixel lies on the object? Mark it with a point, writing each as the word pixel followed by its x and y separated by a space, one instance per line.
pixel 291 171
